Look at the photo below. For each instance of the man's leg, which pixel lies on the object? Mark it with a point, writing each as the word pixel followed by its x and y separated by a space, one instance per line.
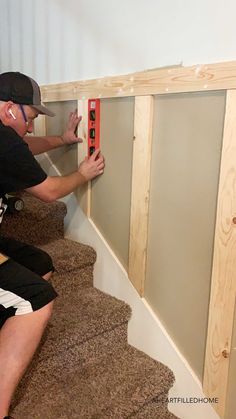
pixel 21 334
pixel 19 338
pixel 47 276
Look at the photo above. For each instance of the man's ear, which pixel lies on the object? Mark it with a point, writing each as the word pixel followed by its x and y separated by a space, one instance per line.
pixel 9 114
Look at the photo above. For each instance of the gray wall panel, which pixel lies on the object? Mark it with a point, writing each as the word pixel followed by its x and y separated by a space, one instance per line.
pixel 184 183
pixel 65 158
pixel 111 193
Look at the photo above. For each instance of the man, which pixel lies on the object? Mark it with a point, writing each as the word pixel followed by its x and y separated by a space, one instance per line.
pixel 26 298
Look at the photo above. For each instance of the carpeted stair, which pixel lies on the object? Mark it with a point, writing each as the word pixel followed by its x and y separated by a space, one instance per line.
pixel 84 367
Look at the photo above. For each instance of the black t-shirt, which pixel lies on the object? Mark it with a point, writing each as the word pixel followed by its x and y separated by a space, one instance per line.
pixel 18 167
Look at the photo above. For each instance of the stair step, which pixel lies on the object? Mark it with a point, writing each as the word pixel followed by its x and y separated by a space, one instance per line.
pixel 82 278
pixel 84 354
pixel 116 387
pixel 84 367
pixel 156 409
pixel 38 223
pixel 68 255
pixel 81 316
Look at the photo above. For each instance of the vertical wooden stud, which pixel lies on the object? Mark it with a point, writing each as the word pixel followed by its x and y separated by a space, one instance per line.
pixel 223 286
pixel 40 125
pixel 143 121
pixel 84 193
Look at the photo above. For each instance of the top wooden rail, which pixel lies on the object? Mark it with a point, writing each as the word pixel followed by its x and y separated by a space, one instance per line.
pixel 176 79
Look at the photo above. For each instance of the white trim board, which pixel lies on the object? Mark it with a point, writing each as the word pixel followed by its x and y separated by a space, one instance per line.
pixel 145 330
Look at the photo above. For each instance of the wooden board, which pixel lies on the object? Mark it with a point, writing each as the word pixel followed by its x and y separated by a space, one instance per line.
pixel 83 193
pixel 40 125
pixel 143 118
pixel 222 301
pixel 158 81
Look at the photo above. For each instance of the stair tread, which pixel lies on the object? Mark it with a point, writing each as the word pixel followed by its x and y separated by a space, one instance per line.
pixel 87 318
pixel 86 353
pixel 39 210
pixel 74 280
pixel 68 255
pixel 38 223
pixel 115 387
pixel 156 409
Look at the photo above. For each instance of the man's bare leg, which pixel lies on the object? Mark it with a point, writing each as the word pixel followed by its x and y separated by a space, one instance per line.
pixel 19 339
pixel 48 275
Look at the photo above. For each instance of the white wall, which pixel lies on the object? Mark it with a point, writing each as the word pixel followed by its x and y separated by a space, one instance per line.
pixel 63 40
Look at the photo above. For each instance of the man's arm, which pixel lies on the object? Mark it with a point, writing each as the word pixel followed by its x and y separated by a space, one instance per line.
pixel 38 145
pixel 55 187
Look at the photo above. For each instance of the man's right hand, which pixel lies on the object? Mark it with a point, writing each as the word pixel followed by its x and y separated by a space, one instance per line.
pixel 92 166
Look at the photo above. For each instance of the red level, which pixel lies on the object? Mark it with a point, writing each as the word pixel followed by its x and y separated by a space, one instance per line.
pixel 93 125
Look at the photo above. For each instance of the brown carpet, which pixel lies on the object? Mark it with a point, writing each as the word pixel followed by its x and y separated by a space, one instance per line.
pixel 84 368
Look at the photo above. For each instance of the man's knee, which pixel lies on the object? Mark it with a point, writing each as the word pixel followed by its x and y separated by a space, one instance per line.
pixel 47 310
pixel 43 315
pixel 48 275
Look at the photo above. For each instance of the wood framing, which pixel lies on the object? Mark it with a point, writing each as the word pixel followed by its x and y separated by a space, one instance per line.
pixel 177 79
pixel 223 288
pixel 143 121
pixel 84 193
pixel 40 125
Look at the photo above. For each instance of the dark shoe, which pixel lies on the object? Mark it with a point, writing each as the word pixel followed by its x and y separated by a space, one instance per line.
pixel 8 417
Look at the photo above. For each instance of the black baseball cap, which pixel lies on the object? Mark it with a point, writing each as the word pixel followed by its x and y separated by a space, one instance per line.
pixel 21 89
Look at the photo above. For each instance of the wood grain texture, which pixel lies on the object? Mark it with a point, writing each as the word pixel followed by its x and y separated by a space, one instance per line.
pixel 223 288
pixel 83 193
pixel 143 121
pixel 157 81
pixel 40 125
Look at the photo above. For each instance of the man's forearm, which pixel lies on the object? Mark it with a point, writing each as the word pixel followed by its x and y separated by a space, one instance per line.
pixel 55 187
pixel 38 145
pixel 63 185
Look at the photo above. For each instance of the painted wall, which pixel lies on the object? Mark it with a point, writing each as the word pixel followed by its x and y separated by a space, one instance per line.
pixel 188 131
pixel 111 192
pixel 63 40
pixel 65 158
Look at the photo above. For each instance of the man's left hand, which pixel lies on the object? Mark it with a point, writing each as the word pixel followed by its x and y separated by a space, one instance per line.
pixel 69 136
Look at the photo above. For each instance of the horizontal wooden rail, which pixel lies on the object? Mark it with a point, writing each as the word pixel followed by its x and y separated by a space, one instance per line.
pixel 175 79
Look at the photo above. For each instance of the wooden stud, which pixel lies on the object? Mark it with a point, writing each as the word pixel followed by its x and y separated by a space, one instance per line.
pixel 176 79
pixel 84 192
pixel 143 121
pixel 223 287
pixel 40 126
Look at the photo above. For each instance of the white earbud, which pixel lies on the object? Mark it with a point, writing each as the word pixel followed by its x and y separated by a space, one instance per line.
pixel 12 114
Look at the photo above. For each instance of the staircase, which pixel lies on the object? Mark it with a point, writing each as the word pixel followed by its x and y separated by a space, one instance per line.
pixel 84 367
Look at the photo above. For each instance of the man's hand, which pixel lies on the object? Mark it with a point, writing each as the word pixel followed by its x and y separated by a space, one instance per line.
pixel 92 166
pixel 69 136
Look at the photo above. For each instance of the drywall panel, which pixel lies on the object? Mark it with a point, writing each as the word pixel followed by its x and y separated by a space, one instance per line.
pixel 231 399
pixel 188 131
pixel 65 158
pixel 111 193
